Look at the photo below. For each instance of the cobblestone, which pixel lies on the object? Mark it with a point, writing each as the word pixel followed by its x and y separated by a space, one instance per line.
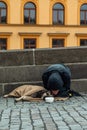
pixel 60 115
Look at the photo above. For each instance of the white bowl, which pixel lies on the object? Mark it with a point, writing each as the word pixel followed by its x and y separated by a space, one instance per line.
pixel 49 99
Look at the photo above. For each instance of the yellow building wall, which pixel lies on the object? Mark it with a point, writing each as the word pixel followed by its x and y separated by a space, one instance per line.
pixel 15 11
pixel 72 6
pixel 44 11
pixel 70 31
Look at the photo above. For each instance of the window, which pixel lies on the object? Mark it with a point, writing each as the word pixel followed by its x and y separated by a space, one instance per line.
pixel 29 39
pixel 3 12
pixel 29 43
pixel 58 14
pixel 83 42
pixel 57 43
pixel 3 43
pixel 83 14
pixel 58 39
pixel 29 13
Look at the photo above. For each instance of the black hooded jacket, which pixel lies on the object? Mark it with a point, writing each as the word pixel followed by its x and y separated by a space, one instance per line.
pixel 57 76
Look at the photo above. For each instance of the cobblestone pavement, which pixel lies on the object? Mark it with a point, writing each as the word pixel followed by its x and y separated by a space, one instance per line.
pixel 60 115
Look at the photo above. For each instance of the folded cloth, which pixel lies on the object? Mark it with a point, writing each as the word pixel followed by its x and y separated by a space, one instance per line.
pixel 27 90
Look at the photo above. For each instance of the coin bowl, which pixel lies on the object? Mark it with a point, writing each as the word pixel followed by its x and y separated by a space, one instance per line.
pixel 49 99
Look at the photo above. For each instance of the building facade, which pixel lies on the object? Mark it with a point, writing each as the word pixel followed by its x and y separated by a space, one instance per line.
pixel 42 24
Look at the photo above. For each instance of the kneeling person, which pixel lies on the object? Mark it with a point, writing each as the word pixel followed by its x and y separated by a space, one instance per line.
pixel 57 79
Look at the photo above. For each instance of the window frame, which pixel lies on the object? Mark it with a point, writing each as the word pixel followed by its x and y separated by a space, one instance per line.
pixel 29 35
pixel 29 43
pixel 6 35
pixel 83 39
pixel 58 13
pixel 80 36
pixel 58 39
pixel 58 36
pixel 5 8
pixel 85 14
pixel 3 45
pixel 29 12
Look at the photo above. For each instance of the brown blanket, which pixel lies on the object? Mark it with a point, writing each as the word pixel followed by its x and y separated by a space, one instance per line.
pixel 30 93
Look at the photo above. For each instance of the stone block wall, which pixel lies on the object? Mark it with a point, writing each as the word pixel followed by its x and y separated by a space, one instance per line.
pixel 19 67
